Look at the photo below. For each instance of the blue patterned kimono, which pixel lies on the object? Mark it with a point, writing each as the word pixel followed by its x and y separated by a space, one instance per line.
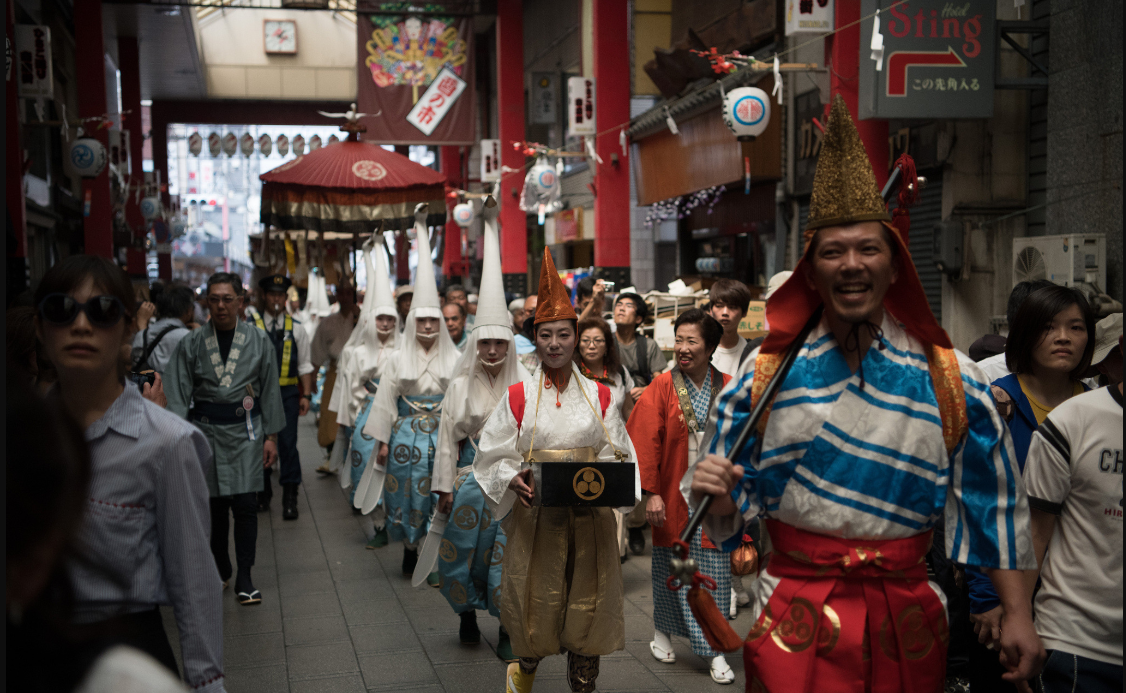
pixel 406 489
pixel 361 443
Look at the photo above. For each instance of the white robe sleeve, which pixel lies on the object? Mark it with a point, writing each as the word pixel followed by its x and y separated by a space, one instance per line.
pixel 384 408
pixel 454 410
pixel 338 402
pixel 499 459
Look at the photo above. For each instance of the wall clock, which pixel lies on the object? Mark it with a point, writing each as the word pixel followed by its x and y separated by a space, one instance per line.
pixel 281 36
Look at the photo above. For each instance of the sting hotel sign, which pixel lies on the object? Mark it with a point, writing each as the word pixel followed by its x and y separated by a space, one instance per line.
pixel 937 63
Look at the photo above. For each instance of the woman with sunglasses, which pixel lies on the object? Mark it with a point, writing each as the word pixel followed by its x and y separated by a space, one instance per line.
pixel 145 529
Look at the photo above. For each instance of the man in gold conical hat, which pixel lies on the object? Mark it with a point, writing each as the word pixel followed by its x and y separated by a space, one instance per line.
pixel 562 579
pixel 879 433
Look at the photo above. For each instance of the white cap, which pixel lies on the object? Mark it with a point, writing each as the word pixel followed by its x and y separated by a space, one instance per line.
pixel 776 283
pixel 425 303
pixel 1107 332
pixel 491 308
pixel 379 284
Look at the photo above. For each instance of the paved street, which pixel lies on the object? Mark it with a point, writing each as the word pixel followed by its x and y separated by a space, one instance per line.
pixel 337 617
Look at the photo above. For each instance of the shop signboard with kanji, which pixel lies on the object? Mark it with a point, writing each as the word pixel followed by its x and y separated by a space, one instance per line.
pixel 809 16
pixel 416 72
pixel 937 60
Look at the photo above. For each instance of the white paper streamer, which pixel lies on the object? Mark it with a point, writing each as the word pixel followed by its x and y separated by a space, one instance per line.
pixel 777 81
pixel 670 122
pixel 877 45
pixel 622 142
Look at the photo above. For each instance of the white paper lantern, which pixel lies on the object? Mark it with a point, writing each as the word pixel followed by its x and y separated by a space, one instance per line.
pixel 463 214
pixel 299 145
pixel 246 144
pixel 214 144
pixel 86 157
pixel 195 143
pixel 150 208
pixel 746 112
pixel 544 180
pixel 179 228
pixel 230 144
pixel 283 145
pixel 265 145
pixel 314 143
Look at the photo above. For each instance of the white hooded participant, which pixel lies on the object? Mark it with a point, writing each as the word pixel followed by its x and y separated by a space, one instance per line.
pixel 405 412
pixel 473 544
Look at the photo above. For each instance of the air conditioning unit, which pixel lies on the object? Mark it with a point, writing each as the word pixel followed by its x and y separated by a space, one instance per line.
pixel 1077 260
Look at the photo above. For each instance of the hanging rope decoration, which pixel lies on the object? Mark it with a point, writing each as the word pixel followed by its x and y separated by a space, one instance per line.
pixel 682 206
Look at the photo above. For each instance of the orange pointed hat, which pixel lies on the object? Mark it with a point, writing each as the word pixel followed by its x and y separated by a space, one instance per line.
pixel 554 299
pixel 845 192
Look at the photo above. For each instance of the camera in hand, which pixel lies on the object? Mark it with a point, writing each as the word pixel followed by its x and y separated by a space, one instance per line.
pixel 143 377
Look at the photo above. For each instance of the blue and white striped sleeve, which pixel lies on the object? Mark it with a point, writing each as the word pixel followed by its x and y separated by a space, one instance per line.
pixel 987 518
pixel 730 415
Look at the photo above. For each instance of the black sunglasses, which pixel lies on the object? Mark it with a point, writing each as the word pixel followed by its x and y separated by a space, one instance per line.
pixel 101 311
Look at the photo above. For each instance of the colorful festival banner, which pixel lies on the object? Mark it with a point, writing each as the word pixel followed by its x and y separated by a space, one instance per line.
pixel 400 58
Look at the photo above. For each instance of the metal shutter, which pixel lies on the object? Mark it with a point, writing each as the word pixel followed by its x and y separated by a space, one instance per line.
pixel 925 214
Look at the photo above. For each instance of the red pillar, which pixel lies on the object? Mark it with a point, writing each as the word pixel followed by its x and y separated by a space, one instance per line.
pixel 13 173
pixel 160 116
pixel 842 52
pixel 128 54
pixel 510 98
pixel 453 264
pixel 611 202
pixel 90 74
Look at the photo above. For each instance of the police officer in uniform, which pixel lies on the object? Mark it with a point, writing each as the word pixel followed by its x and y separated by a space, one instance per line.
pixel 295 370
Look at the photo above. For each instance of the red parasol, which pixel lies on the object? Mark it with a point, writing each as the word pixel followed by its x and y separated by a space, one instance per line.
pixel 351 187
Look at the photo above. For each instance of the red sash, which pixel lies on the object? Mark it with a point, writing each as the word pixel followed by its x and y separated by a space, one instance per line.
pixel 516 401
pixel 847 615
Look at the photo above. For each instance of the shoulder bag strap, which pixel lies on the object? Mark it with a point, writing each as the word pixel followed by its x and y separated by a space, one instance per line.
pixel 641 352
pixel 149 348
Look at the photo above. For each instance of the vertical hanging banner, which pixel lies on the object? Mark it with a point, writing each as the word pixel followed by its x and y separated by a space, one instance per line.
pixel 417 72
pixel 580 106
pixel 809 17
pixel 490 161
pixel 938 60
pixel 545 93
pixel 33 58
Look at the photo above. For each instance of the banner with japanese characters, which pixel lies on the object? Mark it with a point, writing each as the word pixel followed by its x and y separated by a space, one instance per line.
pixel 416 72
pixel 933 59
pixel 808 16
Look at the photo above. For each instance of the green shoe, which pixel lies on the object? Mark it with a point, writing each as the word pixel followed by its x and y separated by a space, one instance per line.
pixel 504 647
pixel 434 579
pixel 379 540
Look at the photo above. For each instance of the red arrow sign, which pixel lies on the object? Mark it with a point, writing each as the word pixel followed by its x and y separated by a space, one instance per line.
pixel 899 61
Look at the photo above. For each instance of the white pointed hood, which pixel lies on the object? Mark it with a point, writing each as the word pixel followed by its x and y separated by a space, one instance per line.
pixel 425 305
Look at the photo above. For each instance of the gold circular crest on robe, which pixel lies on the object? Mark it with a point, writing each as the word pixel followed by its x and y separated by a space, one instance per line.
pixel 915 635
pixel 416 455
pixel 496 595
pixel 486 518
pixel 465 518
pixel 469 559
pixel 589 483
pixel 447 551
pixel 416 518
pixel 459 481
pixel 798 628
pixel 357 458
pixel 401 453
pixel 428 424
pixel 457 592
pixel 496 554
pixel 390 484
pixel 829 631
pixel 423 486
pixel 762 625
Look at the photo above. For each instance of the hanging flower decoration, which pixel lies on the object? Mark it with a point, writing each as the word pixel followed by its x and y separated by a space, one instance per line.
pixel 536 149
pixel 726 63
pixel 682 206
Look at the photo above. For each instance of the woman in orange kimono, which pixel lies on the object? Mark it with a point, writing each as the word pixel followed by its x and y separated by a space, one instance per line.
pixel 666 427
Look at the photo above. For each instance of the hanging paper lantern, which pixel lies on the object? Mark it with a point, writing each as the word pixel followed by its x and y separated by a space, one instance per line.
pixel 150 208
pixel 265 145
pixel 746 112
pixel 299 145
pixel 315 143
pixel 544 179
pixel 86 157
pixel 179 228
pixel 246 144
pixel 195 143
pixel 230 144
pixel 463 214
pixel 333 139
pixel 214 144
pixel 283 145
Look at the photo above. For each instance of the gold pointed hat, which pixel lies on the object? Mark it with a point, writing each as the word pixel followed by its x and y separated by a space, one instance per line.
pixel 844 187
pixel 554 299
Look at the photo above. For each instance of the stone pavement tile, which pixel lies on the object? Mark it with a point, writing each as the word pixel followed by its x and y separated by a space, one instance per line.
pixel 423 596
pixel 383 638
pixel 412 688
pixel 348 683
pixel 368 613
pixel 297 562
pixel 398 670
pixel 433 619
pixel 302 544
pixel 311 605
pixel 252 621
pixel 355 569
pixel 266 679
pixel 445 648
pixel 366 590
pixel 253 650
pixel 294 584
pixel 314 631
pixel 320 661
pixel 479 677
pixel 700 682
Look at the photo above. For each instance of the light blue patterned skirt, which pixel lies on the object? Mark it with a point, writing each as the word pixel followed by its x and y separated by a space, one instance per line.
pixel 361 444
pixel 671 613
pixel 472 550
pixel 406 490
